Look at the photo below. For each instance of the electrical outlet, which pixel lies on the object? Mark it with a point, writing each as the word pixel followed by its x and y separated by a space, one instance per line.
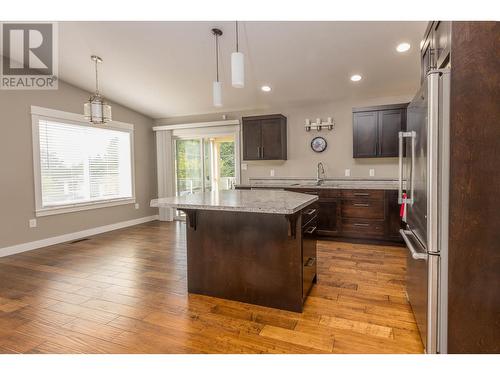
pixel 271 172
pixel 244 167
pixel 372 172
pixel 347 172
pixel 137 206
pixel 32 223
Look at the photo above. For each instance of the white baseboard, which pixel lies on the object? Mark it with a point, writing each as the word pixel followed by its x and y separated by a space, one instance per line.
pixel 15 249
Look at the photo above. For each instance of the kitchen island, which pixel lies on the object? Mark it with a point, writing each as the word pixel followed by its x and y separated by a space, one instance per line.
pixel 251 246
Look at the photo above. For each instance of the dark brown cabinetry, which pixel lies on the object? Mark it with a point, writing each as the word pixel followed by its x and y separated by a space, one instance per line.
pixel 370 214
pixel 375 130
pixel 328 210
pixel 365 134
pixel 264 137
pixel 362 213
pixel 435 50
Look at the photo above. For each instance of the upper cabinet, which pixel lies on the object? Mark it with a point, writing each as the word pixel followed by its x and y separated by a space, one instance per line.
pixel 375 130
pixel 264 137
pixel 435 50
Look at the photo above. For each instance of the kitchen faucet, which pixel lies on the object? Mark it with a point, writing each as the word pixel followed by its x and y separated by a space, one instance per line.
pixel 318 178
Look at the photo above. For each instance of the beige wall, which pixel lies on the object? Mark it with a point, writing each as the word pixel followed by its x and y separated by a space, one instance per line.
pixel 17 202
pixel 302 160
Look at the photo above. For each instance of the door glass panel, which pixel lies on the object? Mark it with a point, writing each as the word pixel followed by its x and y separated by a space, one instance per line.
pixel 225 162
pixel 208 169
pixel 188 166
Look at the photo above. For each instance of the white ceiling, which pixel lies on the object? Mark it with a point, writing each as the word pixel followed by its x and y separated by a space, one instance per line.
pixel 165 69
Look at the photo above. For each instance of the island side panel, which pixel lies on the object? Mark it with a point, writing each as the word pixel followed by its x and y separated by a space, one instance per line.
pixel 247 257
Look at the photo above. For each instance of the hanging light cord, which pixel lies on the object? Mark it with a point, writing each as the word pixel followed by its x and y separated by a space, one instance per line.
pixel 96 78
pixel 237 46
pixel 217 55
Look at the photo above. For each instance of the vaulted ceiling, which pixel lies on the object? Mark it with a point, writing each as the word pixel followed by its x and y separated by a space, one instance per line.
pixel 165 69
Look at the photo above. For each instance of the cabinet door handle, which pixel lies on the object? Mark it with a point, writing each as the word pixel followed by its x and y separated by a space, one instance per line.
pixel 262 152
pixel 361 225
pixel 310 262
pixel 310 230
pixel 361 204
pixel 311 192
pixel 258 151
pixel 361 194
pixel 310 211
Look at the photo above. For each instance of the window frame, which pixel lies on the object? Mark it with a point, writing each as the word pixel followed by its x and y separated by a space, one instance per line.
pixel 41 113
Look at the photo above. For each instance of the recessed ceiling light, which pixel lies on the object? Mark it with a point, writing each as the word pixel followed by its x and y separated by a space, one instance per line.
pixel 403 47
pixel 356 78
pixel 266 88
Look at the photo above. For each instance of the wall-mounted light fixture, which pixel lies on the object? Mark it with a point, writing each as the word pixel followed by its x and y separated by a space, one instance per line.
pixel 319 124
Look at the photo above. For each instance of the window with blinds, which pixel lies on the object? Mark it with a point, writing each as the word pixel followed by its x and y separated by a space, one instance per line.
pixel 81 164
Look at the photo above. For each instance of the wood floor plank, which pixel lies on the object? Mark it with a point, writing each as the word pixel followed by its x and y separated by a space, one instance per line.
pixel 299 338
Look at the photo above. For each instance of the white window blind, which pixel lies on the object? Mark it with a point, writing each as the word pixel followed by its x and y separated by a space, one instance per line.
pixel 83 164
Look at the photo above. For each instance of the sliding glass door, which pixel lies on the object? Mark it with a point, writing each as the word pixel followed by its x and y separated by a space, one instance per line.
pixel 204 164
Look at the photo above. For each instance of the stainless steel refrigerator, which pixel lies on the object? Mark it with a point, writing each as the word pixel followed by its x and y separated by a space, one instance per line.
pixel 424 177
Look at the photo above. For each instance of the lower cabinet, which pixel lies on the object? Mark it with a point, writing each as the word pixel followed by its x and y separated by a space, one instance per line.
pixel 328 216
pixel 362 214
pixel 370 214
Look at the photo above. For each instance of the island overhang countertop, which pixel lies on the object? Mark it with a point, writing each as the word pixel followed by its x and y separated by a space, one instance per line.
pixel 257 201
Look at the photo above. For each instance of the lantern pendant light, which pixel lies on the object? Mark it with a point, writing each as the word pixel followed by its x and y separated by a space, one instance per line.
pixel 96 110
pixel 217 85
pixel 237 65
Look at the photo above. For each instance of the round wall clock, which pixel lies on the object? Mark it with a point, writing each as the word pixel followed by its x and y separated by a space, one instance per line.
pixel 318 144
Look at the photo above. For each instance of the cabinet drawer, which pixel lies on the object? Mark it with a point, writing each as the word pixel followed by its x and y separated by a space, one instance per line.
pixel 365 209
pixel 363 194
pixel 362 228
pixel 308 214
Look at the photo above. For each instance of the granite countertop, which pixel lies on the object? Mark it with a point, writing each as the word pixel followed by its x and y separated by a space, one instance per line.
pixel 271 202
pixel 329 183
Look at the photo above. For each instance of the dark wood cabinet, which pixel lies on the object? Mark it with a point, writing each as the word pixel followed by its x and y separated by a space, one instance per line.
pixel 390 123
pixel 368 214
pixel 375 130
pixel 328 216
pixel 441 42
pixel 264 137
pixel 252 139
pixel 365 134
pixel 435 49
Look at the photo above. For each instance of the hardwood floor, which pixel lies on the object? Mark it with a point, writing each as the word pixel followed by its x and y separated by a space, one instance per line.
pixel 125 292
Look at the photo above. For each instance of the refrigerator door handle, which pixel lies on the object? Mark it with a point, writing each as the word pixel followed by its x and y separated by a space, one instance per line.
pixel 414 253
pixel 409 198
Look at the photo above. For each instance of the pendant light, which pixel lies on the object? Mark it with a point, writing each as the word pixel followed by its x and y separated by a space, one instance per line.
pixel 96 110
pixel 237 65
pixel 217 85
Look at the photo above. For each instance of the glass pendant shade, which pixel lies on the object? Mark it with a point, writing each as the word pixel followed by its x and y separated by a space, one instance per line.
pixel 217 94
pixel 96 110
pixel 238 69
